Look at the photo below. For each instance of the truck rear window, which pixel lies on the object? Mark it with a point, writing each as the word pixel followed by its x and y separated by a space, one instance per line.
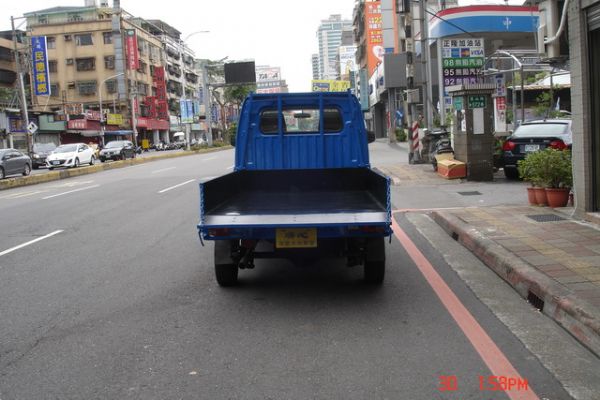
pixel 301 120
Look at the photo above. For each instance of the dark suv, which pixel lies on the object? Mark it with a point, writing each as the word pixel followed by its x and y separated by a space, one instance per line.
pixel 39 154
pixel 534 136
pixel 117 150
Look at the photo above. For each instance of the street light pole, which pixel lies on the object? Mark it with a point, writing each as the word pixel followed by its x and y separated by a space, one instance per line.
pixel 100 101
pixel 184 80
pixel 22 97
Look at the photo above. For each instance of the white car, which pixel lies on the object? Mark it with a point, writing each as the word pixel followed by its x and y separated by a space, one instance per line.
pixel 71 155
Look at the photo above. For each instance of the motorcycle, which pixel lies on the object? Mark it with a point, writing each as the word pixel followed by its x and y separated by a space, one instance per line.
pixel 435 142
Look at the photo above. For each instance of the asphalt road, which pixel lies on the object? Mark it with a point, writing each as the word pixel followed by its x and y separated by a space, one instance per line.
pixel 116 299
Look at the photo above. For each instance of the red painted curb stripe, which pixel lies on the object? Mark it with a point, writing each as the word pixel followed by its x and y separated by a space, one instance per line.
pixel 491 355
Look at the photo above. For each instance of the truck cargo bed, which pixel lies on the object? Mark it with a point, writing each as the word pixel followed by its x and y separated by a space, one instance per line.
pixel 295 198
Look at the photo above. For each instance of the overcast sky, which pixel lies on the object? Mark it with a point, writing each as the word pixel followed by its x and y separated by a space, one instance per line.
pixel 272 32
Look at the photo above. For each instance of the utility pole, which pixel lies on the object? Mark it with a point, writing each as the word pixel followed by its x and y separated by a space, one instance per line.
pixel 426 64
pixel 22 97
pixel 413 134
pixel 133 116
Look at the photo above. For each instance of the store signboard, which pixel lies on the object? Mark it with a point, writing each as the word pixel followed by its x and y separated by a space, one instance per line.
pixel 131 46
pixel 462 61
pixel 41 77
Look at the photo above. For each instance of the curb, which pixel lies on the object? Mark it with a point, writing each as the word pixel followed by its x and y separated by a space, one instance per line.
pixel 69 173
pixel 554 300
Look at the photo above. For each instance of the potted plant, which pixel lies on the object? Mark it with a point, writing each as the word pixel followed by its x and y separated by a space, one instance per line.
pixel 559 176
pixel 526 172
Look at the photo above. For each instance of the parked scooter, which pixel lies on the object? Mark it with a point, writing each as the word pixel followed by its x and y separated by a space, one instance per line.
pixel 435 142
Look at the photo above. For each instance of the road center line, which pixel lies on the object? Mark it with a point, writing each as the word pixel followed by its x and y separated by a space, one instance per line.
pixel 21 194
pixel 176 186
pixel 70 191
pixel 491 355
pixel 30 242
pixel 208 159
pixel 161 170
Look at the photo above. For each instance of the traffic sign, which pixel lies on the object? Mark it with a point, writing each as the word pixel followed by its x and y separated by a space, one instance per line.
pixel 32 127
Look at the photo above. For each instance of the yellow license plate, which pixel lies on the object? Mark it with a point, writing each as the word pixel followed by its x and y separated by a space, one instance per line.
pixel 295 238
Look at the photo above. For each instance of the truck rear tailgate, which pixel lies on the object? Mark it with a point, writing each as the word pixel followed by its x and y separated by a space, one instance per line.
pixel 292 198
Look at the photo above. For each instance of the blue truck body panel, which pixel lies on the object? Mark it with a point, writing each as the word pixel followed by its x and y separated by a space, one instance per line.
pixel 318 178
pixel 341 149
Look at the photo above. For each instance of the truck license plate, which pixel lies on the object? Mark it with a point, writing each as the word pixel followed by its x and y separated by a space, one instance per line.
pixel 295 238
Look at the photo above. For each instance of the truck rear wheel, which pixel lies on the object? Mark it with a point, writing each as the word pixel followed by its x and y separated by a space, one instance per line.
pixel 374 267
pixel 226 270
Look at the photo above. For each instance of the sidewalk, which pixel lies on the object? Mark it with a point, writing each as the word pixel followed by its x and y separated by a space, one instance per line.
pixel 550 259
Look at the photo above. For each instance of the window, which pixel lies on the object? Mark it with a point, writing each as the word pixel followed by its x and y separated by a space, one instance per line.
pixel 142 88
pixel 111 86
pixel 86 88
pixel 109 62
pixel 74 17
pixel 301 120
pixel 142 46
pixel 143 68
pixel 84 39
pixel 107 37
pixel 53 66
pixel 54 90
pixel 86 64
pixel 51 42
pixel 42 19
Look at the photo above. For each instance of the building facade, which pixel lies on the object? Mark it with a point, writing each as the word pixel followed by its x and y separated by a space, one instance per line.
pixel 329 36
pixel 87 57
pixel 584 41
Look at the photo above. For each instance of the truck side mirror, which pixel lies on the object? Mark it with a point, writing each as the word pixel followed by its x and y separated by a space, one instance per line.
pixel 370 136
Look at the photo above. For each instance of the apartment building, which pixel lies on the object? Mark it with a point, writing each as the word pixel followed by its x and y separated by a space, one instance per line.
pixel 88 54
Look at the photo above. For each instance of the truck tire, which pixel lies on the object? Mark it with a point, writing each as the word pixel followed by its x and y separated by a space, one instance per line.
pixel 226 270
pixel 374 267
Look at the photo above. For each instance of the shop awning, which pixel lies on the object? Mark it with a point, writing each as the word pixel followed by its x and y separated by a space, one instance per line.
pixel 118 133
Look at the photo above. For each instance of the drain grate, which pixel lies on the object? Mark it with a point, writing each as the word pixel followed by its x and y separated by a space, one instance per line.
pixel 546 218
pixel 535 301
pixel 474 193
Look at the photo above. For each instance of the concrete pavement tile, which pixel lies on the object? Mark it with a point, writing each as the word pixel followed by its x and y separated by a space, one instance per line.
pixel 588 293
pixel 539 260
pixel 581 252
pixel 570 279
pixel 552 252
pixel 517 247
pixel 583 286
pixel 556 242
pixel 527 253
pixel 560 273
pixel 594 277
pixel 592 260
pixel 551 267
pixel 585 271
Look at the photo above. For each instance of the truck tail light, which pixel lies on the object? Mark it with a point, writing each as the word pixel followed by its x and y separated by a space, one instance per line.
pixel 558 144
pixel 509 145
pixel 216 232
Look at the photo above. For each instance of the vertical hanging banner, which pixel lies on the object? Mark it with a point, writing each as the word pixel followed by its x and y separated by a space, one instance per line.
pixel 41 78
pixel 375 48
pixel 133 59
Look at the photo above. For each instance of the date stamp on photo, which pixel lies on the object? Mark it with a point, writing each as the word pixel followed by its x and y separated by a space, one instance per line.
pixel 489 383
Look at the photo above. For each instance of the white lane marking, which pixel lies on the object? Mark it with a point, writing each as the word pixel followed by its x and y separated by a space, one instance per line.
pixel 70 191
pixel 231 167
pixel 161 170
pixel 21 194
pixel 176 186
pixel 71 184
pixel 208 159
pixel 30 242
pixel 208 178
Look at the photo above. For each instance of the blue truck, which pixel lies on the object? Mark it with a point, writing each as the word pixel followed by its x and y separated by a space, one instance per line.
pixel 302 187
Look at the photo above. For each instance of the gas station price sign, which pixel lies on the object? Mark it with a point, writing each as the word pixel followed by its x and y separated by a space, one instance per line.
pixel 462 60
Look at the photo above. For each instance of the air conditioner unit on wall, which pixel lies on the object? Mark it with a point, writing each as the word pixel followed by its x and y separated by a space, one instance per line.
pixel 68 38
pixel 69 61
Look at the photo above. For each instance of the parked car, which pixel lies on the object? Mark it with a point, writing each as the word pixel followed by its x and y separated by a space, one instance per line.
pixel 534 136
pixel 13 162
pixel 40 153
pixel 71 155
pixel 117 150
